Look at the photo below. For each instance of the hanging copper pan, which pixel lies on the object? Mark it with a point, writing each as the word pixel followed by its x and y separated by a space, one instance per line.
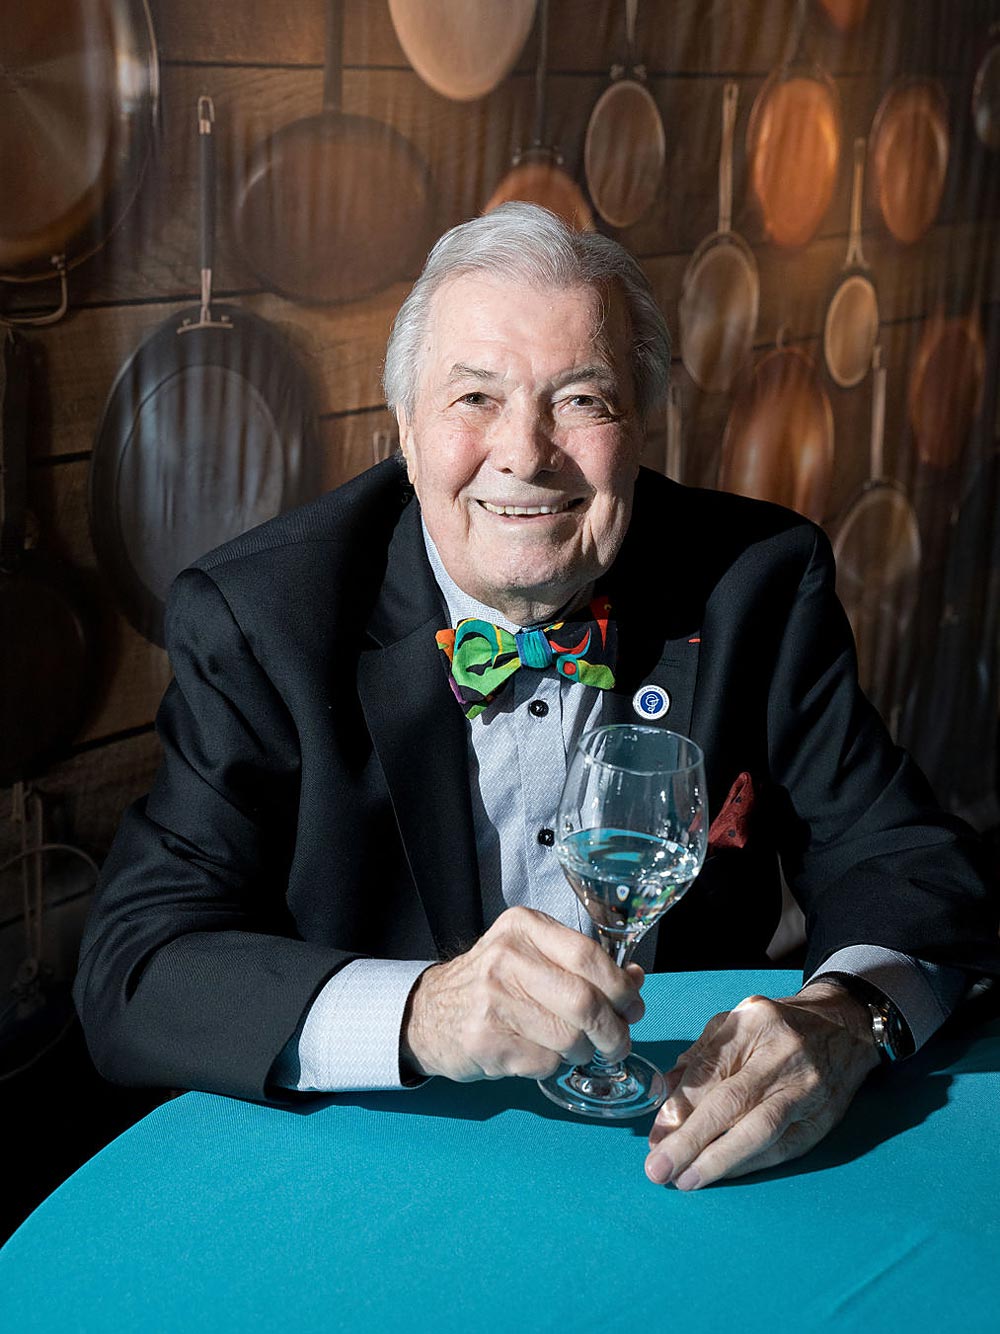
pixel 793 148
pixel 845 15
pixel 334 207
pixel 778 442
pixel 908 151
pixel 986 92
pixel 79 90
pixel 462 48
pixel 720 291
pixel 626 146
pixel 537 175
pixel 850 326
pixel 878 550
pixel 946 386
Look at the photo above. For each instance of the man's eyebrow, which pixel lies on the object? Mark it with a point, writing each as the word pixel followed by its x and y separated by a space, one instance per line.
pixel 462 372
pixel 603 376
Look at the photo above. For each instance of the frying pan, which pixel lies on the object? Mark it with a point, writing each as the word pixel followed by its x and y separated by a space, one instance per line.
pixel 46 628
pixel 778 442
pixel 877 548
pixel 79 90
pixel 209 429
pixel 625 147
pixel 462 48
pixel 986 92
pixel 908 151
pixel 536 176
pixel 845 15
pixel 793 148
pixel 850 327
pixel 946 385
pixel 720 291
pixel 334 207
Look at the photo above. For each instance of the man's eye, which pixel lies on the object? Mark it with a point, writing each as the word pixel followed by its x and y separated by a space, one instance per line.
pixel 474 399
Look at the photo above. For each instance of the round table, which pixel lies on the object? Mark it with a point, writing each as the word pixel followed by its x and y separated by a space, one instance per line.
pixel 481 1207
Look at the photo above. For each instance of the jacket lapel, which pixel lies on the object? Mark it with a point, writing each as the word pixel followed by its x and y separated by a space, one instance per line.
pixel 420 738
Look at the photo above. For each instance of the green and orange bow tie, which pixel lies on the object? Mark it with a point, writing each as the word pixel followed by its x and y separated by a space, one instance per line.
pixel 483 657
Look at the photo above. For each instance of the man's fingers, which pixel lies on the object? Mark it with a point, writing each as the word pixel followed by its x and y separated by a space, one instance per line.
pixel 576 953
pixel 719 1112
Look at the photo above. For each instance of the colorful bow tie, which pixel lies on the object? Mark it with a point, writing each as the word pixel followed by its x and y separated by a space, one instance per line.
pixel 483 656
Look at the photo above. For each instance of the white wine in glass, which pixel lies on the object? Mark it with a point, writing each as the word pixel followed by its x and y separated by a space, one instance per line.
pixel 632 832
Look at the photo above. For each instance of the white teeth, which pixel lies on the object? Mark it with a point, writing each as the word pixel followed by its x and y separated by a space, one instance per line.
pixel 524 509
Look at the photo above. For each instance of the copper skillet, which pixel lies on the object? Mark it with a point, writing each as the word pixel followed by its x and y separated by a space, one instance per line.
pixel 793 148
pixel 79 96
pixel 946 385
pixel 845 15
pixel 850 326
pixel 626 146
pixel 537 175
pixel 779 439
pixel 878 552
pixel 908 151
pixel 334 207
pixel 720 291
pixel 462 48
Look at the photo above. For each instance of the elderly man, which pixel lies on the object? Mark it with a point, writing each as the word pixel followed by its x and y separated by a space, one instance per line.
pixel 344 877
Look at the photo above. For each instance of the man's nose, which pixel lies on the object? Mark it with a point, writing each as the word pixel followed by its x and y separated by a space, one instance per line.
pixel 524 446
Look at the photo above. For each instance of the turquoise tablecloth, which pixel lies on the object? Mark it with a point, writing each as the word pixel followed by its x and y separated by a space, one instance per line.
pixel 480 1207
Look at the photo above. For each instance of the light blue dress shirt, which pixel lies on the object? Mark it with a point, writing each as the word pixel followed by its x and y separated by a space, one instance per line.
pixel 349 1038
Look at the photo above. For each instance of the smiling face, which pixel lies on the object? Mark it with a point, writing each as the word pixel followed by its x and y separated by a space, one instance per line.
pixel 523 445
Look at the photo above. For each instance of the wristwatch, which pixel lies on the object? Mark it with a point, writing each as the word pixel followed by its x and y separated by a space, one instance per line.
pixel 890 1032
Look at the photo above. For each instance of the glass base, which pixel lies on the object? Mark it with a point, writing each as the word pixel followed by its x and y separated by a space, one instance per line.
pixel 630 1089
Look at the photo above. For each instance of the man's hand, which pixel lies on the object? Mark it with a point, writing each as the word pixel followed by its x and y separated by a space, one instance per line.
pixel 529 995
pixel 764 1083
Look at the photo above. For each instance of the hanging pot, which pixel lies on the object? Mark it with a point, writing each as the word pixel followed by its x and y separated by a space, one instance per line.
pixel 878 551
pixel 334 207
pixel 850 326
pixel 778 443
pixel 845 15
pixel 626 146
pixel 462 48
pixel 210 428
pixel 793 148
pixel 79 92
pixel 908 150
pixel 537 175
pixel 720 291
pixel 946 385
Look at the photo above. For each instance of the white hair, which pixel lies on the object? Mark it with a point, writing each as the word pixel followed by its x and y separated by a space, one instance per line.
pixel 531 245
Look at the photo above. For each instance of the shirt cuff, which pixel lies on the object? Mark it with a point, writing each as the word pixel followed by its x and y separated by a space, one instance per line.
pixel 924 993
pixel 349 1038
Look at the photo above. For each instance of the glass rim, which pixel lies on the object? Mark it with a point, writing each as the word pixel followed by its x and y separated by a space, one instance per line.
pixel 696 763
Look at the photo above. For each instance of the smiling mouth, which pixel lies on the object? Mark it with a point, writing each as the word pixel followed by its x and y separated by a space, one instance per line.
pixel 528 511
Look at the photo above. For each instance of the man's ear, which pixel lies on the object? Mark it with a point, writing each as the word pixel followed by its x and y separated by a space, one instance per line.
pixel 406 443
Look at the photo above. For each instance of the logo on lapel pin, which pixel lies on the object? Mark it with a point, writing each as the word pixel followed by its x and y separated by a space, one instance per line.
pixel 651 702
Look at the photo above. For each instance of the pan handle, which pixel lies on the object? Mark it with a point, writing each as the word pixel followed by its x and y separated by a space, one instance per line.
pixel 878 415
pixel 333 64
pixel 730 98
pixel 855 255
pixel 13 448
pixel 51 317
pixel 206 218
pixel 541 68
pixel 674 463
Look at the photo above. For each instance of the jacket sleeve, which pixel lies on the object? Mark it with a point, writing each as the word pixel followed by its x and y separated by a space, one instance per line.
pixel 867 851
pixel 191 973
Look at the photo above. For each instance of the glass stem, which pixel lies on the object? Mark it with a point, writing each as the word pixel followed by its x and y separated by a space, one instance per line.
pixel 621 951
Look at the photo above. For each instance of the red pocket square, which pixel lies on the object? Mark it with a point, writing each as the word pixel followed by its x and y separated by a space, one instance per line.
pixel 731 827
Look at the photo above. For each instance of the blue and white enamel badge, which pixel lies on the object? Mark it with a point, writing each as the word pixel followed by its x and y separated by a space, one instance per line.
pixel 651 702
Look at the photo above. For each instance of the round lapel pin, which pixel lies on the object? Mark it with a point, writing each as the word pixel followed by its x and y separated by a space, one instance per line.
pixel 651 702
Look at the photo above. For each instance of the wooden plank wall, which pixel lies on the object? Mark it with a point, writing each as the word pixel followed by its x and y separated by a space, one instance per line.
pixel 261 61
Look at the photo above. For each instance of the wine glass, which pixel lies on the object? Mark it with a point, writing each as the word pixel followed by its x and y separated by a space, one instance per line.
pixel 632 831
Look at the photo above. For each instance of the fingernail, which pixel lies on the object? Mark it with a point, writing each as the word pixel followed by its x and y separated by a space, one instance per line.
pixel 659 1168
pixel 689 1179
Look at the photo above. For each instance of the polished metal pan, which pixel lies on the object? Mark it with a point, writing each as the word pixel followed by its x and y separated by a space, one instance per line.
pixel 851 323
pixel 986 92
pixel 626 145
pixel 908 151
pixel 720 290
pixel 463 49
pixel 79 97
pixel 210 428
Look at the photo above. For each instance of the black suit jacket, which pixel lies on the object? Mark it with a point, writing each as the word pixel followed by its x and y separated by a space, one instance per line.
pixel 313 805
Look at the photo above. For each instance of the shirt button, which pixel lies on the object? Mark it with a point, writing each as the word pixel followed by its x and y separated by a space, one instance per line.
pixel 538 707
pixel 546 837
